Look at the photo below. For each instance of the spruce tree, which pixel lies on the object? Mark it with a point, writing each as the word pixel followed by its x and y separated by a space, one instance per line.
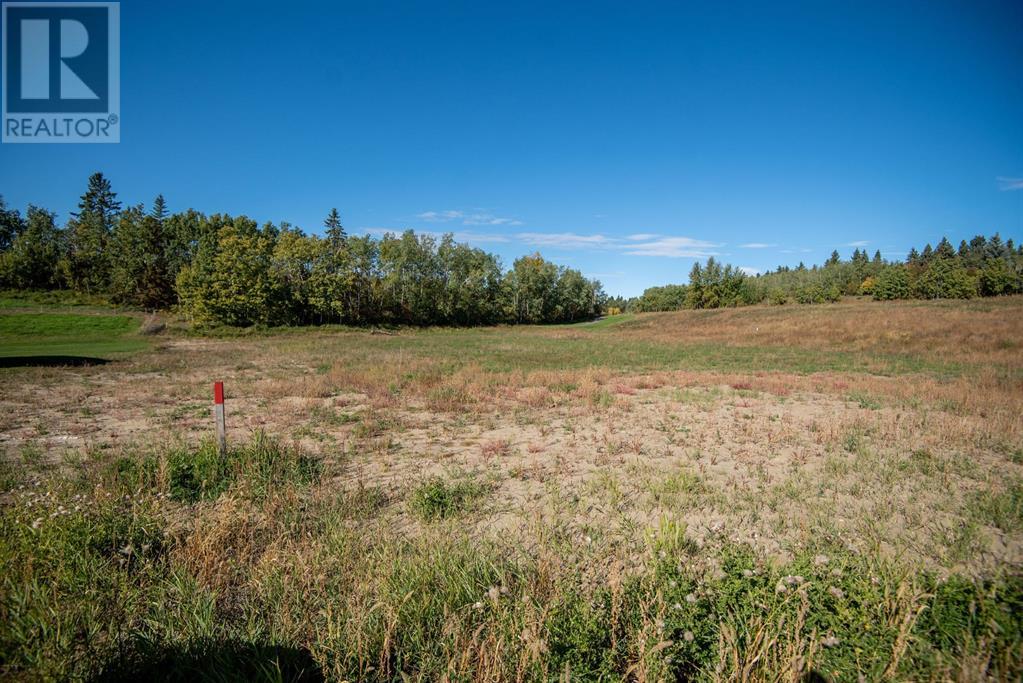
pixel 159 210
pixel 336 235
pixel 944 250
pixel 88 259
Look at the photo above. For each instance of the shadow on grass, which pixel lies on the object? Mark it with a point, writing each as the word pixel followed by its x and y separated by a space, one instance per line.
pixel 49 361
pixel 217 661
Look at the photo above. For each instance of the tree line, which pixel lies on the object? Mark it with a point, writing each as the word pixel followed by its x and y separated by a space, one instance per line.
pixel 221 269
pixel 981 267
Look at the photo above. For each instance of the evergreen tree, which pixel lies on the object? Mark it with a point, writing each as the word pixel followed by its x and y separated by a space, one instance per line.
pixel 944 250
pixel 88 259
pixel 834 260
pixel 159 211
pixel 336 235
pixel 892 283
pixel 995 248
pixel 140 273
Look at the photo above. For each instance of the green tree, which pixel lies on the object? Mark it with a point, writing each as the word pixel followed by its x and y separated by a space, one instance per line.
pixel 88 263
pixel 11 225
pixel 472 284
pixel 335 234
pixel 32 261
pixel 997 278
pixel 531 290
pixel 140 271
pixel 232 281
pixel 892 283
pixel 944 279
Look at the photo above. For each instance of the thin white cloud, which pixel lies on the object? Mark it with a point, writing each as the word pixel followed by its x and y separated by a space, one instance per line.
pixel 757 245
pixel 465 236
pixel 673 247
pixel 566 240
pixel 857 243
pixel 476 217
pixel 637 244
pixel 439 216
pixel 1009 184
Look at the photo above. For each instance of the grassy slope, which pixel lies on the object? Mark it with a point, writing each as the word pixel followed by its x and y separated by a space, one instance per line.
pixel 67 334
pixel 941 339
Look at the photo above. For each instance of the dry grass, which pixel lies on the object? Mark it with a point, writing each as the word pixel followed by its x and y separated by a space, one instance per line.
pixel 889 433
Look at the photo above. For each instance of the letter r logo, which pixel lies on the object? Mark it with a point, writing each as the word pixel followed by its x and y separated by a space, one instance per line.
pixel 57 57
pixel 35 60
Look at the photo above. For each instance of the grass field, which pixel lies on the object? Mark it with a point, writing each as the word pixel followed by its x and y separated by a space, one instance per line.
pixel 61 329
pixel 785 493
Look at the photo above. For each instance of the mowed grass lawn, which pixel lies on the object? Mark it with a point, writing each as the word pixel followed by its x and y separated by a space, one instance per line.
pixel 73 335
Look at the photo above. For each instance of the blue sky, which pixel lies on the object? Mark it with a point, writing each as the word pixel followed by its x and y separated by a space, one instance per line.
pixel 624 139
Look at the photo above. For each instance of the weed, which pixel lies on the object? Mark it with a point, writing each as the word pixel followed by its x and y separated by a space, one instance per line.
pixel 436 498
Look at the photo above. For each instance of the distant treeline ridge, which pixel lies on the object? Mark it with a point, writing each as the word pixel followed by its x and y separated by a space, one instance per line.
pixel 981 267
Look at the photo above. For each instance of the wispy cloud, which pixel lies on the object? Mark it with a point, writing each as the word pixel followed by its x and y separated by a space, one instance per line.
pixel 757 245
pixel 857 243
pixel 566 240
pixel 1009 184
pixel 673 247
pixel 477 217
pixel 440 216
pixel 636 244
pixel 466 236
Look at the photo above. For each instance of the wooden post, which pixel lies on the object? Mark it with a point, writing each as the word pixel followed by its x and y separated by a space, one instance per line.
pixel 218 417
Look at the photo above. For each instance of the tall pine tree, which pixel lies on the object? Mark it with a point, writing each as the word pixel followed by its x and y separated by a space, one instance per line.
pixel 336 235
pixel 89 231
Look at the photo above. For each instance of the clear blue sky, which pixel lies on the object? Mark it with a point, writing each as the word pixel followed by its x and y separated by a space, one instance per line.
pixel 624 139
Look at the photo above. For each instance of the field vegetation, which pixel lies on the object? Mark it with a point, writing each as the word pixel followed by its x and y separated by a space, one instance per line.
pixel 766 493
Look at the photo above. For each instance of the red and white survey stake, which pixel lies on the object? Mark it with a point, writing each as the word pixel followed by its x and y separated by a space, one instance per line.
pixel 218 416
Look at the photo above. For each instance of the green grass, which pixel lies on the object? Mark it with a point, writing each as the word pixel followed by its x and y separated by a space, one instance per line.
pixel 68 334
pixel 509 349
pixel 50 300
pixel 436 498
pixel 174 564
pixel 252 470
pixel 103 581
